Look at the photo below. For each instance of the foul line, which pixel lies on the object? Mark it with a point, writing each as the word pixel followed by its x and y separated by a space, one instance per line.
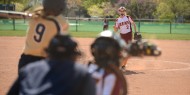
pixel 184 63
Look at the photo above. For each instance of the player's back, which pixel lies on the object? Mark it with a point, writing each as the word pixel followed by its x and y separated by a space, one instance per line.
pixel 56 77
pixel 40 32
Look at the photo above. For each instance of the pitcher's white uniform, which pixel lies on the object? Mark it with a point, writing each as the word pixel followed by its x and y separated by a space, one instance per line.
pixel 123 23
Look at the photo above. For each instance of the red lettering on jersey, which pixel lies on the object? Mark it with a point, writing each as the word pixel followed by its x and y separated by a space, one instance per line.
pixel 127 26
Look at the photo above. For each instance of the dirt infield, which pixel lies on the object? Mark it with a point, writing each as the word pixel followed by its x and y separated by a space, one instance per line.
pixel 168 74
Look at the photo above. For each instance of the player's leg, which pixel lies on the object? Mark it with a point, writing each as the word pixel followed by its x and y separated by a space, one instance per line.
pixel 128 38
pixel 124 63
pixel 105 27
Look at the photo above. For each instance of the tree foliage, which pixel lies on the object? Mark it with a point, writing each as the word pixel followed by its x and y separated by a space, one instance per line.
pixel 162 9
pixel 101 10
pixel 73 3
pixel 141 8
pixel 175 8
pixel 95 10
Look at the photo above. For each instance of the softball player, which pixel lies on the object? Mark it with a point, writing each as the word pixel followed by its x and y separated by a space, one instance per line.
pixel 106 51
pixel 123 23
pixel 46 23
pixel 106 23
pixel 58 74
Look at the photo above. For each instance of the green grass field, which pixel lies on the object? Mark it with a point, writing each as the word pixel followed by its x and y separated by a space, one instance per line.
pixel 94 34
pixel 149 30
pixel 145 27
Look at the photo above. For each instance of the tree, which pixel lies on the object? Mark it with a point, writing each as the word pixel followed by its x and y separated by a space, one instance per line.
pixel 95 10
pixel 163 12
pixel 177 9
pixel 73 3
pixel 3 2
pixel 108 10
pixel 102 10
pixel 141 8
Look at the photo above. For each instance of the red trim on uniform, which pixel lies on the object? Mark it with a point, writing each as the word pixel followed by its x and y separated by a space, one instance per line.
pixel 117 86
pixel 130 22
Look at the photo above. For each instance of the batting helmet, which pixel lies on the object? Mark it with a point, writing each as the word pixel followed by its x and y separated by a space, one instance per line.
pixel 62 47
pixel 107 48
pixel 54 7
pixel 115 36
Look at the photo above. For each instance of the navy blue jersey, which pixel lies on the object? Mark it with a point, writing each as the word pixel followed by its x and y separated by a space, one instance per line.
pixel 54 78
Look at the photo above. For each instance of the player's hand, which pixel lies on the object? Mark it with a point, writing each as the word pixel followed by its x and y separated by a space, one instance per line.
pixel 115 28
pixel 137 36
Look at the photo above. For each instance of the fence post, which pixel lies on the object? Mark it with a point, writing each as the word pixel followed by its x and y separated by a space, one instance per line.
pixel 170 27
pixel 76 25
pixel 139 25
pixel 13 24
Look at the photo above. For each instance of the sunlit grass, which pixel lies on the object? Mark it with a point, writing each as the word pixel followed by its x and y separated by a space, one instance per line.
pixel 94 34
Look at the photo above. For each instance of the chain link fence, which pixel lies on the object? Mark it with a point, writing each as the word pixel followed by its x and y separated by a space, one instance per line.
pixel 96 25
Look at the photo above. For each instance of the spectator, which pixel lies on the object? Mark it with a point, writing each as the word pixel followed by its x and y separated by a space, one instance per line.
pixel 106 23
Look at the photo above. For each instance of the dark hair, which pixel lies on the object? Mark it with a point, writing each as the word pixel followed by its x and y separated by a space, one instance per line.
pixel 62 47
pixel 54 7
pixel 106 52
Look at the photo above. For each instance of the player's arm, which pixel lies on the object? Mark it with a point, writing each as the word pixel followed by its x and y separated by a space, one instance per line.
pixel 133 23
pixel 65 27
pixel 115 27
pixel 64 24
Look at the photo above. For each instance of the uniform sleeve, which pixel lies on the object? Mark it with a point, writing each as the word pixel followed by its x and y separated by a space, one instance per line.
pixel 109 84
pixel 90 86
pixel 131 20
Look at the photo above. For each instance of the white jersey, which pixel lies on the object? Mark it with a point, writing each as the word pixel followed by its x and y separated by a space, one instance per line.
pixel 104 85
pixel 123 24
